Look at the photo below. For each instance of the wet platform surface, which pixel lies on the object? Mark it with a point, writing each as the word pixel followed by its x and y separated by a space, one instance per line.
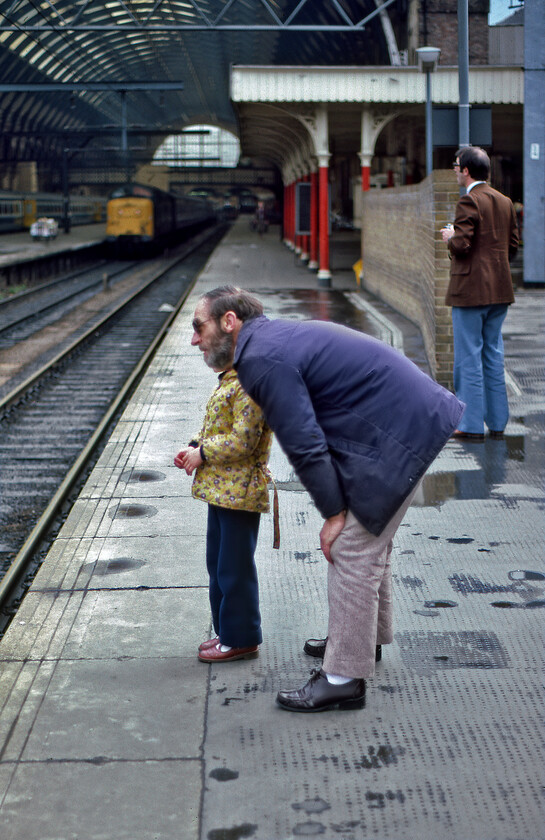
pixel 111 728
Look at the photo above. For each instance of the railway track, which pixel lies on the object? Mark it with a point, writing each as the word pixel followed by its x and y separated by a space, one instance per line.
pixel 52 424
pixel 29 310
pixel 38 324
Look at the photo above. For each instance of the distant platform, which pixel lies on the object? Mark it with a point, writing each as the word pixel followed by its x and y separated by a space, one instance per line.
pixel 21 247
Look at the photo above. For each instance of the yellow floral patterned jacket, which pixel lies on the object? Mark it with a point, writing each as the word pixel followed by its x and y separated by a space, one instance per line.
pixel 236 443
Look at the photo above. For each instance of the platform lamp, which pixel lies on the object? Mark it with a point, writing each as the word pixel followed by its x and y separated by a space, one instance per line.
pixel 427 62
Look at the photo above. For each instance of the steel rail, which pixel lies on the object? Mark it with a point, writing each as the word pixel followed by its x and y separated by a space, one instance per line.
pixel 20 562
pixel 17 321
pixel 48 284
pixel 15 395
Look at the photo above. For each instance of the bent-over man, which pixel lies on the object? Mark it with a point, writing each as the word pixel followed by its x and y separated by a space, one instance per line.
pixel 360 424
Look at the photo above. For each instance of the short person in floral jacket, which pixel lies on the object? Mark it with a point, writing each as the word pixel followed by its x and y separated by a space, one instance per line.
pixel 229 457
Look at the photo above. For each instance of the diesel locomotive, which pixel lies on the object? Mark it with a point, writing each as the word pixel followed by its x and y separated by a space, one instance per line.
pixel 141 218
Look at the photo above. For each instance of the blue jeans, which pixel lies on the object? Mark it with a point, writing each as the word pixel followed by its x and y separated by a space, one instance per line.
pixel 479 376
pixel 231 540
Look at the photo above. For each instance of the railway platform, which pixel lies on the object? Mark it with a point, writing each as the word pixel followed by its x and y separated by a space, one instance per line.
pixel 111 728
pixel 23 258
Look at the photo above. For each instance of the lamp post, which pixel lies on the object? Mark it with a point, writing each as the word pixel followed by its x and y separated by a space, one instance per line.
pixel 427 62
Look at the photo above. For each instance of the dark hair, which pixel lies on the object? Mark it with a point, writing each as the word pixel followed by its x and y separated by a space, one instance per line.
pixel 232 299
pixel 476 160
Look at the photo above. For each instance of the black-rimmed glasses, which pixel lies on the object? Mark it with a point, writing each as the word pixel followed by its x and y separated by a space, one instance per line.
pixel 198 325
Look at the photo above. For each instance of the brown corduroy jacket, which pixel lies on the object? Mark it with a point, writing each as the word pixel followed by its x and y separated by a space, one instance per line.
pixel 485 240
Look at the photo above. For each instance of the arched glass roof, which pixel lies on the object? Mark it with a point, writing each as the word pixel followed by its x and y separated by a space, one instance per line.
pixel 199 145
pixel 156 43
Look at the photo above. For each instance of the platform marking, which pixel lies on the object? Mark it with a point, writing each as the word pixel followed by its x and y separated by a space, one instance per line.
pixel 512 384
pixel 391 334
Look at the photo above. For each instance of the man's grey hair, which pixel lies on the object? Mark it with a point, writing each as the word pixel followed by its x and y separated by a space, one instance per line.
pixel 232 299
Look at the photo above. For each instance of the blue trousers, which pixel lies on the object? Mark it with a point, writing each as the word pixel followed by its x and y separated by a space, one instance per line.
pixel 231 540
pixel 479 375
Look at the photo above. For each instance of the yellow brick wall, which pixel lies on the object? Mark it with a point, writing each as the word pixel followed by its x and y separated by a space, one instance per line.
pixel 405 261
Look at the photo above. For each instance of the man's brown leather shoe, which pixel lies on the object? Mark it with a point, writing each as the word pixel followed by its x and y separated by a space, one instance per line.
pixel 316 647
pixel 318 695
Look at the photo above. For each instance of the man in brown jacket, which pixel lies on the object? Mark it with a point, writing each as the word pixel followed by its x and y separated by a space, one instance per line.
pixel 482 241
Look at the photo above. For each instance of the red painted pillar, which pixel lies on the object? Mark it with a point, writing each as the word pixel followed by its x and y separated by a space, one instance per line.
pixel 288 232
pixel 297 238
pixel 286 214
pixel 305 242
pixel 292 215
pixel 324 274
pixel 365 178
pixel 313 263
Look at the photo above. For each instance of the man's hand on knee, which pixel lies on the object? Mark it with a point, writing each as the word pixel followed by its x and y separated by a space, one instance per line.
pixel 331 529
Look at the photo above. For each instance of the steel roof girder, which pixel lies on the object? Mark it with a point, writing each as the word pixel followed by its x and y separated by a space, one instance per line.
pixel 49 87
pixel 207 23
pixel 177 27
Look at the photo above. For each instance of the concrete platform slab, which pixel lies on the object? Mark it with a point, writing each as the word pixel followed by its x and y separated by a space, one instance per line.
pixel 126 800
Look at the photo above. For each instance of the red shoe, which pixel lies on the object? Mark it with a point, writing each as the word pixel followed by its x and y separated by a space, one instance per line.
pixel 215 654
pixel 209 643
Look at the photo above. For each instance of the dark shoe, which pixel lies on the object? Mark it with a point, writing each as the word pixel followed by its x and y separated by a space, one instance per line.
pixel 209 643
pixel 496 435
pixel 458 435
pixel 215 654
pixel 316 647
pixel 318 695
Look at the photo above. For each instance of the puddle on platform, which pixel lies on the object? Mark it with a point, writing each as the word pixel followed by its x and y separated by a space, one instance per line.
pixel 236 832
pixel 522 574
pixel 311 806
pixel 496 462
pixel 119 564
pixel 115 566
pixel 132 511
pixel 223 774
pixel 309 829
pixel 319 305
pixel 433 605
pixel 427 652
pixel 511 605
pixel 142 475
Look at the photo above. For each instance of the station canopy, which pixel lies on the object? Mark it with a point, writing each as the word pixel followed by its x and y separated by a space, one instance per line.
pixel 74 72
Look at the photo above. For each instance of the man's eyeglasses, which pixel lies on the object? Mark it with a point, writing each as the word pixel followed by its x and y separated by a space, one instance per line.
pixel 198 325
pixel 456 164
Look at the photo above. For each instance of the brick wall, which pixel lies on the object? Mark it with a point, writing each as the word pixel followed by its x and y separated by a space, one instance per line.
pixel 438 27
pixel 406 263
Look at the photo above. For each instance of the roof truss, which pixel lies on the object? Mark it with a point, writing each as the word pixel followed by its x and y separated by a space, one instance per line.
pixel 190 15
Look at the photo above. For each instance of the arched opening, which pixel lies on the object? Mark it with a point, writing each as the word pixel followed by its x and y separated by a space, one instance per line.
pixel 199 146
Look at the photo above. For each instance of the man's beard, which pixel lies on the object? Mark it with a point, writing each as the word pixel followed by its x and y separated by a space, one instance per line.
pixel 220 354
